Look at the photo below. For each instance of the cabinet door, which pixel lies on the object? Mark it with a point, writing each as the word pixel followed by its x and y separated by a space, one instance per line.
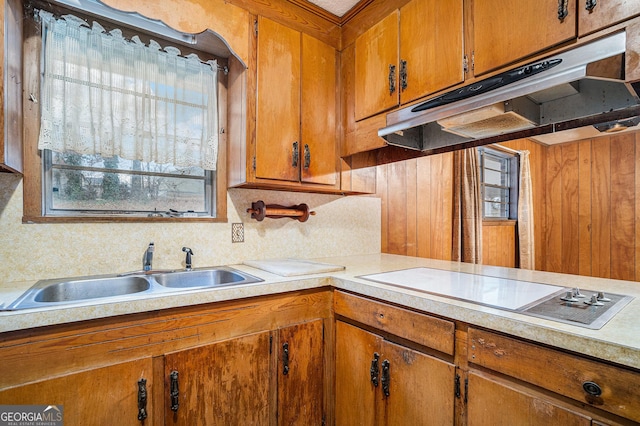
pixel 508 30
pixel 104 396
pixel 318 112
pixel 421 387
pixel 431 44
pixel 278 102
pixel 11 97
pixel 355 391
pixel 595 15
pixel 491 402
pixel 376 52
pixel 301 374
pixel 219 384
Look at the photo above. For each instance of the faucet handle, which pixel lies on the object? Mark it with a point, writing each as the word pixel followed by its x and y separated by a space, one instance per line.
pixel 147 258
pixel 189 253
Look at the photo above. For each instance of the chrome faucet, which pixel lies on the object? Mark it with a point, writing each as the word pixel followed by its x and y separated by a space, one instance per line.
pixel 188 259
pixel 147 258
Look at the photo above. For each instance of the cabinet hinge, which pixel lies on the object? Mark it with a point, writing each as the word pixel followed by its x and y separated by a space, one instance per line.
pixel 270 344
pixel 456 386
pixel 253 163
pixel 255 28
pixel 465 64
pixel 473 61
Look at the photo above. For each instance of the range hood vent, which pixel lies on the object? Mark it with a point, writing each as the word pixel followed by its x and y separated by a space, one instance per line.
pixel 547 100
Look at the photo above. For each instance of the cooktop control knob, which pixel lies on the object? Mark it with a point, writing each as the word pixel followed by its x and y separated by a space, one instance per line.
pixel 602 298
pixel 569 297
pixel 594 301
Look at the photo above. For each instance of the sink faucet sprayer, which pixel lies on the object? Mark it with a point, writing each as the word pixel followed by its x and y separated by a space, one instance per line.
pixel 188 259
pixel 147 258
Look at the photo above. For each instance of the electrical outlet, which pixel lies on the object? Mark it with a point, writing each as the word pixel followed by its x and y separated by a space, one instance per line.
pixel 237 232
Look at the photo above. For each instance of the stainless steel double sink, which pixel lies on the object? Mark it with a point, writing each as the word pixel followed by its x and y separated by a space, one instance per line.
pixel 55 292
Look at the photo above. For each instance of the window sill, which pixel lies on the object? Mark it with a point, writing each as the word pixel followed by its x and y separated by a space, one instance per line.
pixel 111 219
pixel 499 222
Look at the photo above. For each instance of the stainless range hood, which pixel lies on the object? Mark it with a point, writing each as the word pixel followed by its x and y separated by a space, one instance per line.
pixel 564 93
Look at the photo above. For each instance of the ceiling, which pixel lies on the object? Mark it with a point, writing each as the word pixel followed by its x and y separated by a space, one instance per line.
pixel 337 7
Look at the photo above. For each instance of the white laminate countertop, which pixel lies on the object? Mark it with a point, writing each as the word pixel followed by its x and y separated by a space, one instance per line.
pixel 617 341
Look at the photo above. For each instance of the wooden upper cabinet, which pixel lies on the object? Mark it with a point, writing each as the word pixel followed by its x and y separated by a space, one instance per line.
pixel 278 102
pixel 411 53
pixel 376 77
pixel 296 107
pixel 595 15
pixel 318 120
pixel 505 31
pixel 431 46
pixel 11 86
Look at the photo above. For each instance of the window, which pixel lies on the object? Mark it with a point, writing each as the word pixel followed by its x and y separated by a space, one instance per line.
pixel 125 129
pixel 499 179
pixel 91 184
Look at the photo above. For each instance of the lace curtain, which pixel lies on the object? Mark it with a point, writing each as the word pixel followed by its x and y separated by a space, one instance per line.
pixel 103 94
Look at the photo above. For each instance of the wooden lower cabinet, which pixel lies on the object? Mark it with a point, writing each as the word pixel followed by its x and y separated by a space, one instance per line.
pixel 382 383
pixel 492 402
pixel 300 373
pixel 231 382
pixel 219 384
pixel 101 396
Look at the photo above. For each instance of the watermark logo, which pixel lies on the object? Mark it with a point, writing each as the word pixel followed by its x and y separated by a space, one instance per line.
pixel 31 415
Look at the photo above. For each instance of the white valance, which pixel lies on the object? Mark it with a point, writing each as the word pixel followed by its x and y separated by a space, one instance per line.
pixel 103 94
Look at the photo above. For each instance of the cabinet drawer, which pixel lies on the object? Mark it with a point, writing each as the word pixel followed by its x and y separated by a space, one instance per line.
pixel 425 330
pixel 613 389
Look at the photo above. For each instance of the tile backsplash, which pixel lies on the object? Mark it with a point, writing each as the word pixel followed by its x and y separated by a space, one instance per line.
pixel 342 226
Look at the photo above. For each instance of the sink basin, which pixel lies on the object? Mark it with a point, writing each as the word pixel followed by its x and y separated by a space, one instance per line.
pixel 91 289
pixel 56 292
pixel 204 278
pixel 59 291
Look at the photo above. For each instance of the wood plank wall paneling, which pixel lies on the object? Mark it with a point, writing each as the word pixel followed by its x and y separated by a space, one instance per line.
pixel 499 244
pixel 592 211
pixel 586 207
pixel 417 202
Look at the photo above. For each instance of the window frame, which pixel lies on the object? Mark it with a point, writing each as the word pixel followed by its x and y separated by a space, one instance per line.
pixel 512 162
pixel 34 207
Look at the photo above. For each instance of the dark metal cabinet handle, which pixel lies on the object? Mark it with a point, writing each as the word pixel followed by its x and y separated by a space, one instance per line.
pixel 294 155
pixel 375 369
pixel 392 79
pixel 142 399
pixel 285 359
pixel 307 156
pixel 590 5
pixel 175 391
pixel 563 9
pixel 385 377
pixel 403 75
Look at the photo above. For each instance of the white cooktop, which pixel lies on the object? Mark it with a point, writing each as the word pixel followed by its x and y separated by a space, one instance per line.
pixel 497 292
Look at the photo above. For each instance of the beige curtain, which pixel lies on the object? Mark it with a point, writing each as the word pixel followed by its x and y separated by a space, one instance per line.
pixel 467 207
pixel 525 214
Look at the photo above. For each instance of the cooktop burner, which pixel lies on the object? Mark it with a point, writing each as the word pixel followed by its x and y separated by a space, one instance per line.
pixel 581 311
